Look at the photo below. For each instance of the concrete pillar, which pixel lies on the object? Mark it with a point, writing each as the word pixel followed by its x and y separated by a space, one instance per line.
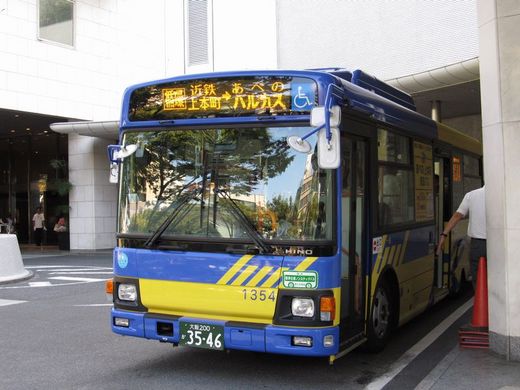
pixel 499 29
pixel 92 200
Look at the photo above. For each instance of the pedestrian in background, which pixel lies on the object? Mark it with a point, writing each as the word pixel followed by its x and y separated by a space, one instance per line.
pixel 38 226
pixel 60 226
pixel 474 206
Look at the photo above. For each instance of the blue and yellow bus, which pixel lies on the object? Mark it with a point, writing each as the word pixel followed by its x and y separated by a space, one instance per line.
pixel 291 212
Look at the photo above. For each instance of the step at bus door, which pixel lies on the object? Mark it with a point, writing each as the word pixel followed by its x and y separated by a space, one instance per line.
pixel 354 201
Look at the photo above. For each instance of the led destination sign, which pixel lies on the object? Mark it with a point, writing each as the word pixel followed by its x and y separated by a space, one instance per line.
pixel 223 97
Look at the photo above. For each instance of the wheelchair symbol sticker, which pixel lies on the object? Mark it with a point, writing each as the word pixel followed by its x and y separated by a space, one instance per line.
pixel 122 260
pixel 302 96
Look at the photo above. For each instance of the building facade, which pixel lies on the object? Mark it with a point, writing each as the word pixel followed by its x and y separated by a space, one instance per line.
pixel 70 60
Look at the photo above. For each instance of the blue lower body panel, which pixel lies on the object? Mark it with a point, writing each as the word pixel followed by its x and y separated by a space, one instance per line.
pixel 268 338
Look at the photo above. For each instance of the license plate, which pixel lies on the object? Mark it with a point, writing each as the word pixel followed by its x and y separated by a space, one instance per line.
pixel 202 335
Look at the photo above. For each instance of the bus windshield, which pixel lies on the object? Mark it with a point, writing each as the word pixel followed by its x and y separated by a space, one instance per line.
pixel 225 183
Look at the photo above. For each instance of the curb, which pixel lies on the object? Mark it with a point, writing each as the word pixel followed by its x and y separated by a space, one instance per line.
pixel 18 279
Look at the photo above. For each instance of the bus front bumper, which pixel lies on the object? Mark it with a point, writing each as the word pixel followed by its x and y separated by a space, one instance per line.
pixel 243 336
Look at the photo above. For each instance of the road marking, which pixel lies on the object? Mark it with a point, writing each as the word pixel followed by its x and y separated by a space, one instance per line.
pixel 7 302
pixel 74 279
pixel 95 305
pixel 419 347
pixel 40 284
pixel 65 275
pixel 81 273
pixel 429 380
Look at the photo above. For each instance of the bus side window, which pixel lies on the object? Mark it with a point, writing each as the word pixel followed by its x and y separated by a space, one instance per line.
pixel 396 203
pixel 395 179
pixel 385 216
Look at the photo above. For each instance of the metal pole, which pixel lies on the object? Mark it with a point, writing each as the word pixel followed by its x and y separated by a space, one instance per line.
pixel 436 111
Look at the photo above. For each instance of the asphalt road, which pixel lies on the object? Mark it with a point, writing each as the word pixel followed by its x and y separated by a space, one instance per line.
pixel 55 334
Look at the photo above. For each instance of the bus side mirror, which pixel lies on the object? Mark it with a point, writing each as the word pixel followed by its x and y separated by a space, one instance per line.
pixel 329 154
pixel 116 153
pixel 114 173
pixel 113 169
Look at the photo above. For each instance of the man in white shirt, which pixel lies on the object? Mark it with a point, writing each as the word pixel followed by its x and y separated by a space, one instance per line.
pixel 474 205
pixel 38 226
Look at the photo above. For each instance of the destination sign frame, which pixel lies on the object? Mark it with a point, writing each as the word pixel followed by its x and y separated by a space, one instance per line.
pixel 224 97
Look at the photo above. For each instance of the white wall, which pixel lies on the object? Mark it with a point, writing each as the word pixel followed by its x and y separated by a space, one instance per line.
pixel 386 38
pixel 92 199
pixel 117 43
pixel 174 37
pixel 499 27
pixel 244 34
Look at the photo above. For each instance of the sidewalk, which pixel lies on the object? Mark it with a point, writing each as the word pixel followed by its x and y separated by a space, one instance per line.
pixel 30 251
pixel 473 369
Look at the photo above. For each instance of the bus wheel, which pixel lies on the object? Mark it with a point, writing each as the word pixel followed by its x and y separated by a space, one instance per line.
pixel 381 318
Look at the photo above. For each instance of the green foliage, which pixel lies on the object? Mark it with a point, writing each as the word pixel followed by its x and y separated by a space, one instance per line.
pixel 60 184
pixel 282 207
pixel 62 187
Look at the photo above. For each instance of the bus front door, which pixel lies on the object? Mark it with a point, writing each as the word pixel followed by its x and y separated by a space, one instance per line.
pixel 353 216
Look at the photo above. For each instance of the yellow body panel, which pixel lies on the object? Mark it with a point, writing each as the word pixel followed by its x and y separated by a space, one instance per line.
pixel 213 301
pixel 414 269
pixel 458 139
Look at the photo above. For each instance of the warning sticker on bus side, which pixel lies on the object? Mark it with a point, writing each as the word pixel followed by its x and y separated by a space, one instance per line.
pixel 377 244
pixel 300 279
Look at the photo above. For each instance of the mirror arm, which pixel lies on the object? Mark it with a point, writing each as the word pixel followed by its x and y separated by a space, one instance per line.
pixel 332 91
pixel 312 132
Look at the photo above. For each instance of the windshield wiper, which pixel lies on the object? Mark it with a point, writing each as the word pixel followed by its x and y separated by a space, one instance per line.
pixel 178 205
pixel 245 222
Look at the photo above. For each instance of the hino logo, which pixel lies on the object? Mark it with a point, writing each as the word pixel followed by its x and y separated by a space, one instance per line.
pixel 295 251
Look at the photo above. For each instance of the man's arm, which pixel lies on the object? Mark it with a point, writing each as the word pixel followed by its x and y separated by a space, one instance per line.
pixel 454 220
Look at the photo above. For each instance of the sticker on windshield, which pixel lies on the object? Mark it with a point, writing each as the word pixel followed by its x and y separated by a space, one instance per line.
pixel 300 279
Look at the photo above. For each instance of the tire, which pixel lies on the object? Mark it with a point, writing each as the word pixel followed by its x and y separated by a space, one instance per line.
pixel 382 318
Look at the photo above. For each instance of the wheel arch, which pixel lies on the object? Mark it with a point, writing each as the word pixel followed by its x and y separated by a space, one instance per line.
pixel 389 277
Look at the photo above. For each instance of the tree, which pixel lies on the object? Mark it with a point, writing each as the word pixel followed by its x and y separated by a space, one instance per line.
pixel 168 163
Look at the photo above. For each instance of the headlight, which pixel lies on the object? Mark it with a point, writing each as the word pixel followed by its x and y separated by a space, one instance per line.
pixel 302 307
pixel 127 292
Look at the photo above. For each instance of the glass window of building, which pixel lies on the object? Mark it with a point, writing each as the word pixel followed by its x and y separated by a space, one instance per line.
pixel 33 174
pixel 56 21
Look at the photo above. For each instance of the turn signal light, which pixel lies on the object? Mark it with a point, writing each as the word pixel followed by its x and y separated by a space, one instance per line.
pixel 109 286
pixel 327 308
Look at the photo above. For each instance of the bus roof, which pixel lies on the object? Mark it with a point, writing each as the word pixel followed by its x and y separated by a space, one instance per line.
pixel 371 97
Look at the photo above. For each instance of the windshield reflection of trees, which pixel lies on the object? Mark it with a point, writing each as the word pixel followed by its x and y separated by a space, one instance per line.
pixel 240 162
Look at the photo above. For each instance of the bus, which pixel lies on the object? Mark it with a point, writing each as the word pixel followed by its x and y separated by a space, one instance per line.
pixel 291 212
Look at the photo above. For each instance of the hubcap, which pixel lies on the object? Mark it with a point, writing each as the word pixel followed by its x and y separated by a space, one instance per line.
pixel 380 313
